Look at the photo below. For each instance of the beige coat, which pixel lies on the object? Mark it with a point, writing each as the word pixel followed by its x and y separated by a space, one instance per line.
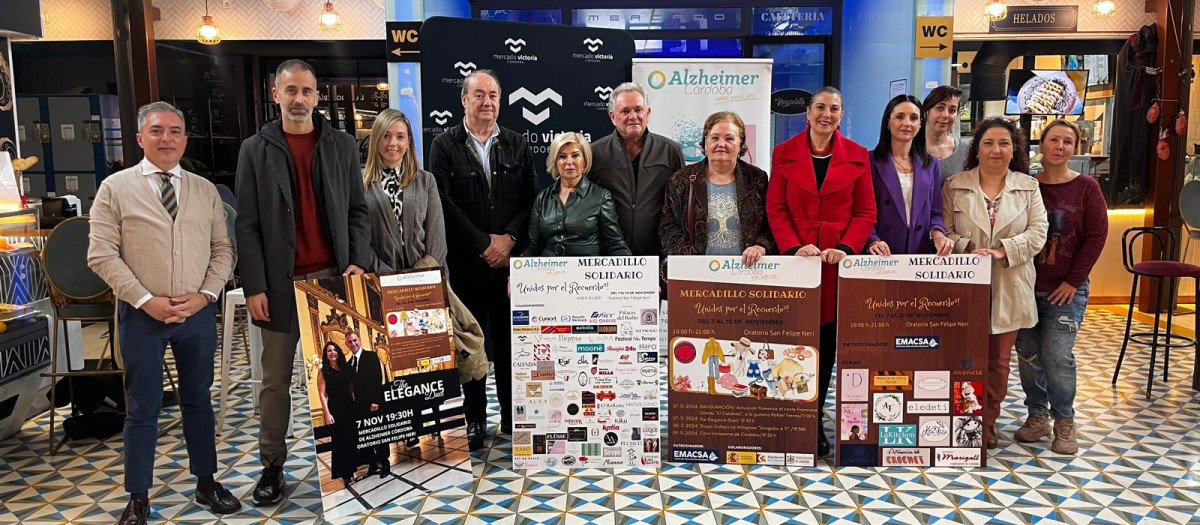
pixel 1020 228
pixel 468 336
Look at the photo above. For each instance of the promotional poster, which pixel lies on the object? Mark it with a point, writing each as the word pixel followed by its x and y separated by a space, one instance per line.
pixel 387 414
pixel 683 92
pixel 553 79
pixel 585 362
pixel 912 360
pixel 743 359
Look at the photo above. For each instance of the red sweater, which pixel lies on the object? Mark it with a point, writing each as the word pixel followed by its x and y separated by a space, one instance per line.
pixel 313 253
pixel 1078 219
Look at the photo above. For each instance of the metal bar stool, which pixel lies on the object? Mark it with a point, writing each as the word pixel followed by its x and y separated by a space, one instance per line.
pixel 1167 273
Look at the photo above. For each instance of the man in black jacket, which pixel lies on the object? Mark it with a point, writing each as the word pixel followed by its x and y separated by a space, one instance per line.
pixel 635 165
pixel 367 378
pixel 301 215
pixel 487 182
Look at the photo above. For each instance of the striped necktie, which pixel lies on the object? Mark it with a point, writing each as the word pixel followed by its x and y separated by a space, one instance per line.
pixel 168 195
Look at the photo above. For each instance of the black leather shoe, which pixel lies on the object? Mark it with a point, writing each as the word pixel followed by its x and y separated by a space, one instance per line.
pixel 385 469
pixel 506 428
pixel 269 489
pixel 475 435
pixel 823 448
pixel 219 500
pixel 135 512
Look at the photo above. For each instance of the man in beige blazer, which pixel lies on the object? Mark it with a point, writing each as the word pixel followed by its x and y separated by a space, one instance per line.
pixel 158 238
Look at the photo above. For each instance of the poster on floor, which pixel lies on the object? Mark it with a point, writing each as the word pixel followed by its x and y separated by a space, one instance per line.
pixel 684 91
pixel 585 362
pixel 912 360
pixel 742 363
pixel 383 392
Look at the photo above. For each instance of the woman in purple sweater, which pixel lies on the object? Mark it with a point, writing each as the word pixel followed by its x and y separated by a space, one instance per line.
pixel 1078 219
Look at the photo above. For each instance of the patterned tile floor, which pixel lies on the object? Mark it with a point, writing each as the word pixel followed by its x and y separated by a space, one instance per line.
pixel 1139 462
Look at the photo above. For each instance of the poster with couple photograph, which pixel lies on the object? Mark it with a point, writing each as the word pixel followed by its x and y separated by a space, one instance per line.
pixel 383 389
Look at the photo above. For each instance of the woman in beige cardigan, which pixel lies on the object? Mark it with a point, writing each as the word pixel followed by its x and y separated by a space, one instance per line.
pixel 994 209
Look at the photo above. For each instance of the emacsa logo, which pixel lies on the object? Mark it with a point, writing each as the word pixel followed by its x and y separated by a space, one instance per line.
pixel 917 342
pixel 697 455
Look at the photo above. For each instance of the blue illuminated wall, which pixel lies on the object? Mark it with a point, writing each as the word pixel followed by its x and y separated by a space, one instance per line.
pixel 877 47
pixel 405 78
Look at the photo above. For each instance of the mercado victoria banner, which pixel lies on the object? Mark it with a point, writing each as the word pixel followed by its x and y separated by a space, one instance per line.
pixel 912 360
pixel 553 79
pixel 742 364
pixel 387 413
pixel 585 362
pixel 683 92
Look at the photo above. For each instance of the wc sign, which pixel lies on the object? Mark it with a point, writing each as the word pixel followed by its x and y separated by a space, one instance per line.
pixel 935 37
pixel 403 44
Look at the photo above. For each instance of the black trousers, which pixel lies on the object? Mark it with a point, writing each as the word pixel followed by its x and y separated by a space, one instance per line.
pixel 827 357
pixel 489 303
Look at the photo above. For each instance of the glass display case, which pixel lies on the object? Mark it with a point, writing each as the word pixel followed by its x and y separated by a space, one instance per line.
pixel 24 317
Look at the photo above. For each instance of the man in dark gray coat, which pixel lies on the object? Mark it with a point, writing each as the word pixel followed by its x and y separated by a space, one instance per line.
pixel 634 165
pixel 301 215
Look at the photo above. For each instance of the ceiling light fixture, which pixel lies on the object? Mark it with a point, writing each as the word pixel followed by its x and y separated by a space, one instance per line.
pixel 208 33
pixel 382 86
pixel 1104 8
pixel 996 11
pixel 329 19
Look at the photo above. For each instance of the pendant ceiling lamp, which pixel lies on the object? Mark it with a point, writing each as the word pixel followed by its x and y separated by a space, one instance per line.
pixel 208 33
pixel 1104 8
pixel 996 11
pixel 329 19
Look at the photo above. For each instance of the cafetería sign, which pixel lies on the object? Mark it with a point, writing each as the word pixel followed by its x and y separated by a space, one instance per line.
pixel 1038 19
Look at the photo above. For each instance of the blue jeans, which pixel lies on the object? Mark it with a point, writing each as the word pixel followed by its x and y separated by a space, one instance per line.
pixel 1046 358
pixel 143 345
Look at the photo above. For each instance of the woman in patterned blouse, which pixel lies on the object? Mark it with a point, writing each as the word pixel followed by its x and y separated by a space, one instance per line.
pixel 406 212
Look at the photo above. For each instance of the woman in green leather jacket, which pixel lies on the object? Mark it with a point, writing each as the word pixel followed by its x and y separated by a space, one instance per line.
pixel 573 217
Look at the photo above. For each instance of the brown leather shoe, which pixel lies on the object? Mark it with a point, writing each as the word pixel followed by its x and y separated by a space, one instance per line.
pixel 1064 437
pixel 1036 426
pixel 990 437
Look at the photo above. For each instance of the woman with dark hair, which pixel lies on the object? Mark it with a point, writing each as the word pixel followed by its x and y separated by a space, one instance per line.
pixel 334 383
pixel 908 197
pixel 1078 219
pixel 716 206
pixel 821 203
pixel 994 210
pixel 941 110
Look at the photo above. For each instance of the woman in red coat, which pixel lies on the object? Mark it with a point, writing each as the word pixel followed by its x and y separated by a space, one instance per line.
pixel 821 202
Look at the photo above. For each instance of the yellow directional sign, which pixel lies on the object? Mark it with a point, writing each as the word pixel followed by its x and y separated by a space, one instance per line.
pixel 935 37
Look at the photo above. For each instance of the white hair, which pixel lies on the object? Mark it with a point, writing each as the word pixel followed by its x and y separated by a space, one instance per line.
pixel 625 87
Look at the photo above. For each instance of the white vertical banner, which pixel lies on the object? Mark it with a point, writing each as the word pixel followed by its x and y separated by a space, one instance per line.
pixel 684 91
pixel 585 336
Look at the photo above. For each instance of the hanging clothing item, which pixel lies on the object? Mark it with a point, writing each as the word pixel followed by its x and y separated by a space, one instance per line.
pixel 1135 92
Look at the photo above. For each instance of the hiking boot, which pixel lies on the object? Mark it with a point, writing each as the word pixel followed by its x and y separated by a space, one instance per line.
pixel 1037 426
pixel 1064 437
